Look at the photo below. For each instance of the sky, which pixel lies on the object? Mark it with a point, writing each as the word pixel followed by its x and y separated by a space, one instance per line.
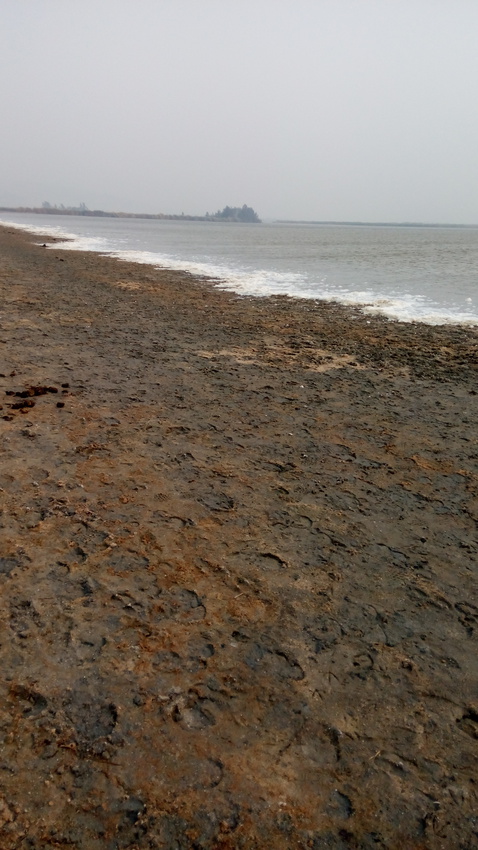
pixel 344 110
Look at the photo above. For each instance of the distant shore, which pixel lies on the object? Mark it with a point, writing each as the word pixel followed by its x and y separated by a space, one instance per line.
pixel 375 223
pixel 103 214
pixel 85 212
pixel 237 566
pixel 213 218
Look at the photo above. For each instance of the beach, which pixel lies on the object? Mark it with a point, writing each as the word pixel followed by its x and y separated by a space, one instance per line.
pixel 238 566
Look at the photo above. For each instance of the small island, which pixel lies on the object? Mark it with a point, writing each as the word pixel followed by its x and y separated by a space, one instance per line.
pixel 243 214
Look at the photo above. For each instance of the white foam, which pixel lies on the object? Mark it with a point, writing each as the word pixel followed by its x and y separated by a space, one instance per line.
pixel 73 242
pixel 262 282
pixel 45 230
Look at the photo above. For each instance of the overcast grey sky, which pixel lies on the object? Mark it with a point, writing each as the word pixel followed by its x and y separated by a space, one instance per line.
pixel 305 109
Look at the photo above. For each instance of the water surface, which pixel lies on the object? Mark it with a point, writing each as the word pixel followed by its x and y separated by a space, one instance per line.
pixel 427 274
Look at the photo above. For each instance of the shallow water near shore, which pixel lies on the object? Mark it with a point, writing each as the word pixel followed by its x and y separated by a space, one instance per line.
pixel 406 273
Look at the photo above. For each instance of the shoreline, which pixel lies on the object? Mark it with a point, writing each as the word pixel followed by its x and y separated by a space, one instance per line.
pixel 238 566
pixel 401 308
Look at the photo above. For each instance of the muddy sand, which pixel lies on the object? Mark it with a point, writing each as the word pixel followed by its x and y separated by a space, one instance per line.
pixel 238 567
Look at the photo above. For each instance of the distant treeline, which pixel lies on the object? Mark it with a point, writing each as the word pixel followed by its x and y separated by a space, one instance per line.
pixel 242 214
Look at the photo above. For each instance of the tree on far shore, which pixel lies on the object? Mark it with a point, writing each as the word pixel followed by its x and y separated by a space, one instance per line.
pixel 244 214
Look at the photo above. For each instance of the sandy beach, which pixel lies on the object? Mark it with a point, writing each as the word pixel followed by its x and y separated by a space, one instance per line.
pixel 238 567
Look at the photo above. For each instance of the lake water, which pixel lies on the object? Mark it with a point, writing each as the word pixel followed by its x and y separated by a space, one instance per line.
pixel 427 274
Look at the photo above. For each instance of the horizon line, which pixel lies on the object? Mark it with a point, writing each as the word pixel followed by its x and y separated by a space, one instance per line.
pixel 372 223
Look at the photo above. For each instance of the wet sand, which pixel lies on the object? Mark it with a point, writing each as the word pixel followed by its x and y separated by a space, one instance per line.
pixel 238 567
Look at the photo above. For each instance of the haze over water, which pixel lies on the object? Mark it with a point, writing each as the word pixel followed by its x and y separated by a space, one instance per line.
pixel 427 274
